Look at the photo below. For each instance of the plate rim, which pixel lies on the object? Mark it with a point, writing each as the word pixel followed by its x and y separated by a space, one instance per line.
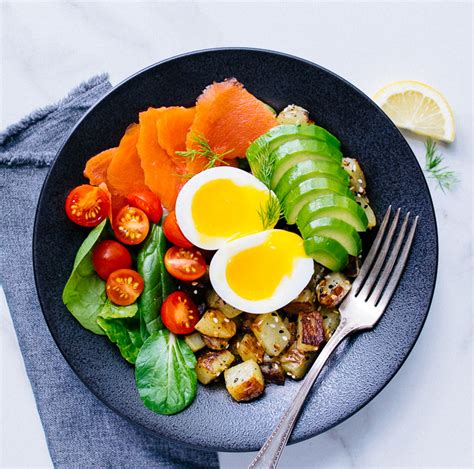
pixel 113 90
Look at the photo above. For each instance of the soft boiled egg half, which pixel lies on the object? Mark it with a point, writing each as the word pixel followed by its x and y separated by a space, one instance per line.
pixel 219 204
pixel 261 272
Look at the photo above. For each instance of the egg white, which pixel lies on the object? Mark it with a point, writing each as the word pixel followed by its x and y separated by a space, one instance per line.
pixel 288 289
pixel 186 196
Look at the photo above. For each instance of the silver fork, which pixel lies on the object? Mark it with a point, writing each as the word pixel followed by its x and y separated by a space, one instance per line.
pixel 361 309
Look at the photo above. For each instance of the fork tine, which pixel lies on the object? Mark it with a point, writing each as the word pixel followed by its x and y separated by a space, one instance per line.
pixel 372 277
pixel 371 255
pixel 398 269
pixel 378 289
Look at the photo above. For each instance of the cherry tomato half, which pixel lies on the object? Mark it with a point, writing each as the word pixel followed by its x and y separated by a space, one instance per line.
pixel 131 225
pixel 185 264
pixel 179 313
pixel 109 256
pixel 173 232
pixel 124 286
pixel 148 202
pixel 87 205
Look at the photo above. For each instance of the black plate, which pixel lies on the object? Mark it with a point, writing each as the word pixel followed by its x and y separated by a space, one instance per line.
pixel 360 368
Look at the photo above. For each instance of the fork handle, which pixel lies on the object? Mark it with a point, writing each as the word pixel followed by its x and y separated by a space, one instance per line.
pixel 271 451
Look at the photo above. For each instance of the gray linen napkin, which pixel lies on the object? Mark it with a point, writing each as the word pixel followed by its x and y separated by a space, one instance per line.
pixel 81 432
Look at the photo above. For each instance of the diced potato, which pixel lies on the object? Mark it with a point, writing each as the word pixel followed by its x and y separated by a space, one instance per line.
pixel 214 324
pixel 295 363
pixel 273 372
pixel 293 114
pixel 357 182
pixel 291 326
pixel 363 201
pixel 214 343
pixel 249 349
pixel 211 364
pixel 310 331
pixel 332 289
pixel 216 302
pixel 244 381
pixel 195 341
pixel 272 334
pixel 303 302
pixel 331 320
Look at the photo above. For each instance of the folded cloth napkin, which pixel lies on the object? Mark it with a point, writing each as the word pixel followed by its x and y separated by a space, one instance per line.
pixel 80 431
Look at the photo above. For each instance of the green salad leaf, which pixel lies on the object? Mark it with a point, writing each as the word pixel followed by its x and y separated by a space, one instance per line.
pixel 84 293
pixel 111 311
pixel 125 333
pixel 165 373
pixel 158 283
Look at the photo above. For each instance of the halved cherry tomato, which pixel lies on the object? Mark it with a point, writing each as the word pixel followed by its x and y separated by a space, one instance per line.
pixel 87 205
pixel 131 225
pixel 173 232
pixel 179 313
pixel 185 264
pixel 148 202
pixel 124 286
pixel 109 256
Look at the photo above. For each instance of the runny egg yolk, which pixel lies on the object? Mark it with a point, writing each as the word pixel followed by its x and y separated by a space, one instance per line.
pixel 255 273
pixel 222 208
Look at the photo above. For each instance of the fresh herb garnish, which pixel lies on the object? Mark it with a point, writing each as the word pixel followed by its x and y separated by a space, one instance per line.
pixel 204 151
pixel 270 211
pixel 445 178
pixel 263 163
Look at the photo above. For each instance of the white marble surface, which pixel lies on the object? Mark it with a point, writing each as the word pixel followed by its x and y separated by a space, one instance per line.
pixel 424 416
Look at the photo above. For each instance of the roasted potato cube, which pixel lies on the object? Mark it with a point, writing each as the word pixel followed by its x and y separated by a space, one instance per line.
pixel 291 326
pixel 214 324
pixel 214 343
pixel 195 341
pixel 244 381
pixel 303 302
pixel 293 114
pixel 356 175
pixel 216 302
pixel 310 331
pixel 295 363
pixel 331 320
pixel 272 334
pixel 332 289
pixel 249 349
pixel 211 364
pixel 273 372
pixel 363 201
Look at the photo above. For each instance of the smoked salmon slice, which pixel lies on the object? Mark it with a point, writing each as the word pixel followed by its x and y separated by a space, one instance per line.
pixel 162 176
pixel 229 118
pixel 96 167
pixel 173 126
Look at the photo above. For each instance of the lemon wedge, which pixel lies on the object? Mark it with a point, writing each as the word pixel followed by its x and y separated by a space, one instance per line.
pixel 417 107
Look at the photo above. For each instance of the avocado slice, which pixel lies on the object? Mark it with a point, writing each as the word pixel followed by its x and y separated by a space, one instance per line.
pixel 284 133
pixel 335 229
pixel 291 153
pixel 309 190
pixel 306 170
pixel 333 206
pixel 327 252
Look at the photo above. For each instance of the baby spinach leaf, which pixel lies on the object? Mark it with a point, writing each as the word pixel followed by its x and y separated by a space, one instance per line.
pixel 111 311
pixel 84 292
pixel 165 373
pixel 123 332
pixel 158 283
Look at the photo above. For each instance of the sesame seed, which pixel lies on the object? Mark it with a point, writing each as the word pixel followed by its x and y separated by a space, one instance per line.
pixel 215 320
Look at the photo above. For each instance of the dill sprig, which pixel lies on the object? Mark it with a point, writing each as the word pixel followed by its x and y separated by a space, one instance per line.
pixel 270 211
pixel 445 178
pixel 204 151
pixel 262 165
